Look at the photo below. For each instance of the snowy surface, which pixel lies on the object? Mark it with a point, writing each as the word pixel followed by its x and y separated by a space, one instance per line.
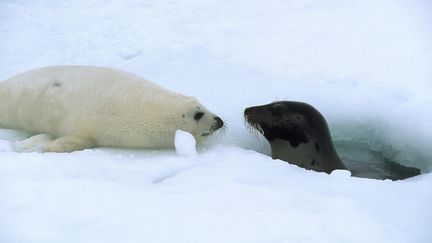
pixel 365 64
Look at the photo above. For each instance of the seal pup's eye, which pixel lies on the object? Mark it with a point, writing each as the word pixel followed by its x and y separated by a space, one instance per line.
pixel 198 115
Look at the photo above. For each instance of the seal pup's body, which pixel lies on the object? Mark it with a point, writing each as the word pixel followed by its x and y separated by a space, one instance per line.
pixel 77 107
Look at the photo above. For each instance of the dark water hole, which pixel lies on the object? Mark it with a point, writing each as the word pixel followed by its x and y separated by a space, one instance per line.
pixel 366 163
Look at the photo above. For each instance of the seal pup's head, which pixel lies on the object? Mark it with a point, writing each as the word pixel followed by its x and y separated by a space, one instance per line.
pixel 199 121
pixel 297 133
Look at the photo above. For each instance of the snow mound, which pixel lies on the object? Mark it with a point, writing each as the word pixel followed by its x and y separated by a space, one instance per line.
pixel 185 144
pixel 341 173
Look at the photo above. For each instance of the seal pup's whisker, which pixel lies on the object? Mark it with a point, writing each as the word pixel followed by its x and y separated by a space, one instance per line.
pixel 221 132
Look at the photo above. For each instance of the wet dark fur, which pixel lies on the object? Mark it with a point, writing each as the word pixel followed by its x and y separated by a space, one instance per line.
pixel 297 133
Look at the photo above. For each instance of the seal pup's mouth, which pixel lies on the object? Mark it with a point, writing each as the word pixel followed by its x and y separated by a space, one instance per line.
pixel 218 124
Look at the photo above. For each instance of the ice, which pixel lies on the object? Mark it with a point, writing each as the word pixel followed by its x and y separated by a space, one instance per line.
pixel 185 144
pixel 5 146
pixel 341 173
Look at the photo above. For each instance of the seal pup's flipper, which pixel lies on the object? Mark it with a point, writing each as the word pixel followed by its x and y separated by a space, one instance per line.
pixel 68 144
pixel 34 143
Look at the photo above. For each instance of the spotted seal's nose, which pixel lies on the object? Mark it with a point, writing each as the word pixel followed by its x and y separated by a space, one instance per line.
pixel 247 111
pixel 249 114
pixel 219 123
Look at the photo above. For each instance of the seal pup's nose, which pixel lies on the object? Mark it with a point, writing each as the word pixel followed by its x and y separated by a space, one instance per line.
pixel 219 122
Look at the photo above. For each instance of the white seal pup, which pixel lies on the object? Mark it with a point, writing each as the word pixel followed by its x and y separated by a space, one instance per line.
pixel 77 107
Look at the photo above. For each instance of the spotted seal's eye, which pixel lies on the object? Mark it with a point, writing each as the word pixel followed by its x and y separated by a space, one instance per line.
pixel 198 115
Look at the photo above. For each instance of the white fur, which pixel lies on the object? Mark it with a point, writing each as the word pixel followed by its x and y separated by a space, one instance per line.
pixel 82 107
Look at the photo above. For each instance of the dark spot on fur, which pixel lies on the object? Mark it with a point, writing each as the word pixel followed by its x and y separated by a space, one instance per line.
pixel 298 117
pixel 56 84
pixel 313 162
pixel 183 115
pixel 317 147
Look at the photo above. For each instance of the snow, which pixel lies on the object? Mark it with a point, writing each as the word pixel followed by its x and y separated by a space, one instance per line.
pixel 184 143
pixel 365 64
pixel 341 173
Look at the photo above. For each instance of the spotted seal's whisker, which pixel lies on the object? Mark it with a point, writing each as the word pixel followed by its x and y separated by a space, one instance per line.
pixel 254 128
pixel 259 129
pixel 259 143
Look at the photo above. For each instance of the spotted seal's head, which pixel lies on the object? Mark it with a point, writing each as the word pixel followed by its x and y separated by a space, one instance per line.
pixel 296 122
pixel 297 133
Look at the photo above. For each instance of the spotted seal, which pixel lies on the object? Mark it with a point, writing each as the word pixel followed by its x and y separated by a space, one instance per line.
pixel 297 133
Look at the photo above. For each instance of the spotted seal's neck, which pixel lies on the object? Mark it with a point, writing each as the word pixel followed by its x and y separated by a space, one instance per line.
pixel 306 155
